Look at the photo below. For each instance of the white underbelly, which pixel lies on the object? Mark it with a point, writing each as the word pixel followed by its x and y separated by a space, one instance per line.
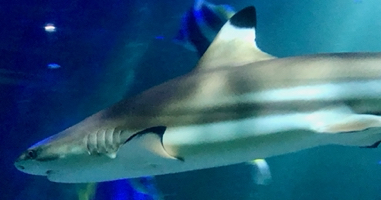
pixel 224 143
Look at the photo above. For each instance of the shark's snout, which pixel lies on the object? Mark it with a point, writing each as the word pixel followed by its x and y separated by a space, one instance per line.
pixel 28 163
pixel 19 167
pixel 18 162
pixel 20 158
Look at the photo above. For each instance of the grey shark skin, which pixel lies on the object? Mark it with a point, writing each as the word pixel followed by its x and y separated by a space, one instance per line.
pixel 238 104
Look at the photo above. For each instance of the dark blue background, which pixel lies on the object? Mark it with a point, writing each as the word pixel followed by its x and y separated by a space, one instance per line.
pixel 110 49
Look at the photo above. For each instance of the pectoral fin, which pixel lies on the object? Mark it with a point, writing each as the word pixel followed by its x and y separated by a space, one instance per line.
pixel 373 146
pixel 151 139
pixel 342 119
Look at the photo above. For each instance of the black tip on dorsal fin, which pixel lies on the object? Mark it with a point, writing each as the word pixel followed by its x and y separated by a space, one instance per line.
pixel 246 18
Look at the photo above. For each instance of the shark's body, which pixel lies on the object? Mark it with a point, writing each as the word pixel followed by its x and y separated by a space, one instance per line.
pixel 237 105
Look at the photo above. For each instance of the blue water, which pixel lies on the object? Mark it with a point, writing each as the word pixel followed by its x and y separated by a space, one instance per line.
pixel 101 51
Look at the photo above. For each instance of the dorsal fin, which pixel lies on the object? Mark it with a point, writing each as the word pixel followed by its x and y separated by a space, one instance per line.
pixel 235 44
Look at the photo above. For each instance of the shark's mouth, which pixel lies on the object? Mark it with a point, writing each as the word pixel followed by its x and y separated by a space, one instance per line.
pixel 48 172
pixel 20 167
pixel 50 175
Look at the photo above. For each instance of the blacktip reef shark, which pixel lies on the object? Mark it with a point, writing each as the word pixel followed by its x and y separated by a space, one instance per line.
pixel 238 104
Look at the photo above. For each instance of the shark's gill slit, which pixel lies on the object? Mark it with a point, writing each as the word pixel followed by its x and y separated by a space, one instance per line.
pixel 109 134
pixel 86 140
pixel 104 141
pixel 91 143
pixel 116 138
pixel 97 142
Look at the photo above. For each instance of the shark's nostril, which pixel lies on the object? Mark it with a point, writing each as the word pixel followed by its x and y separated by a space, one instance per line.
pixel 20 167
pixel 48 172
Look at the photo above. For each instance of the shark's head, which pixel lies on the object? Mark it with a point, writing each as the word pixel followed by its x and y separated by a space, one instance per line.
pixel 47 156
pixel 73 156
pixel 36 160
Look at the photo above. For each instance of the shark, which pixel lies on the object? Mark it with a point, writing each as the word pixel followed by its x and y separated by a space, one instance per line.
pixel 238 104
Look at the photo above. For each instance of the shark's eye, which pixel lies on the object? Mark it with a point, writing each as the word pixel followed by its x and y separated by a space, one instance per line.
pixel 32 154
